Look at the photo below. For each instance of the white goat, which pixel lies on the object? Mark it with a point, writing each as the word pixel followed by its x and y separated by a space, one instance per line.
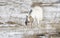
pixel 37 13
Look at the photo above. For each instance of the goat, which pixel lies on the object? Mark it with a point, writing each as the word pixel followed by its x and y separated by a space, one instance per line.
pixel 35 14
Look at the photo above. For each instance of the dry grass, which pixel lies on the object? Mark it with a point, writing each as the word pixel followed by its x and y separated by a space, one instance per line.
pixel 10 22
pixel 1 23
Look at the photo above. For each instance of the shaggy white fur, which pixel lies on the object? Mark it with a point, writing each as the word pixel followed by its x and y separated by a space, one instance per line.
pixel 37 13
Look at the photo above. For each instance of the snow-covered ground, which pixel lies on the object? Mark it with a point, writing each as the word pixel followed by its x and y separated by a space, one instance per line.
pixel 13 12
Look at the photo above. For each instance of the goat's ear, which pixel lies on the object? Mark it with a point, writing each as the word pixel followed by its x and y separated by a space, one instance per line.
pixel 30 11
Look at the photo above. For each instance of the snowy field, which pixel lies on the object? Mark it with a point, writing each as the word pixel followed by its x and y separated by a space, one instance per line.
pixel 16 11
